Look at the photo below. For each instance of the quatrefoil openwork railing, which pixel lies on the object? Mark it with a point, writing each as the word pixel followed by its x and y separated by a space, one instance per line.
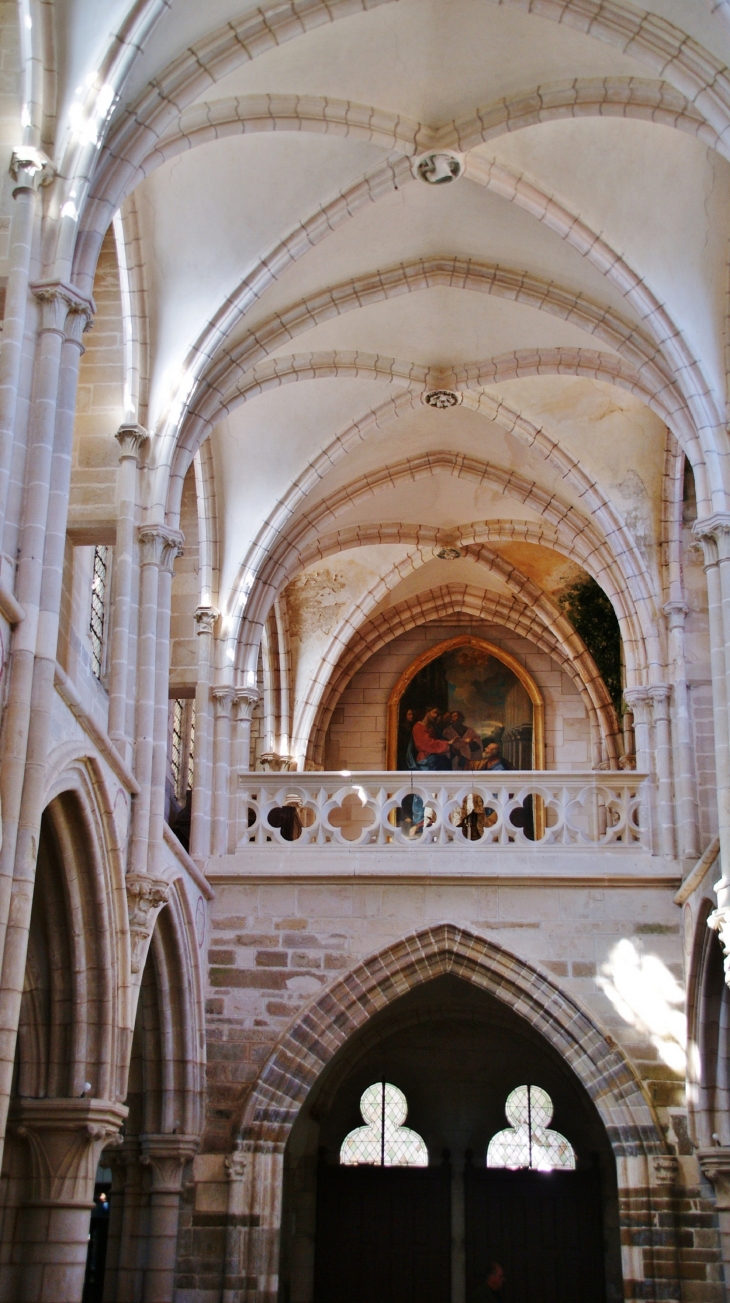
pixel 519 809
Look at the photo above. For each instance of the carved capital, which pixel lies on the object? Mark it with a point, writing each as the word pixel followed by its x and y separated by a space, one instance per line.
pixel 165 1156
pixel 64 311
pixel 65 1138
pixel 714 534
pixel 659 694
pixel 145 898
pixel 676 613
pixel 222 696
pixel 131 439
pixel 715 1164
pixel 666 1168
pixel 274 763
pixel 30 168
pixel 205 618
pixel 159 546
pixel 637 700
pixel 245 699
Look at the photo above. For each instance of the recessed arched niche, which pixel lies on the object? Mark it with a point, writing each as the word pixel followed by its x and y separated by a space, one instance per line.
pixel 489 710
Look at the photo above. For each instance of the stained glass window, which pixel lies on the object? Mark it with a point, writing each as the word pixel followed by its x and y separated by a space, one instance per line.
pixel 528 1141
pixel 96 619
pixel 384 1141
pixel 182 746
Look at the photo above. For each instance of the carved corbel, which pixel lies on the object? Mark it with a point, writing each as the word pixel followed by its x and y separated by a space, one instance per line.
pixel 715 1164
pixel 30 168
pixel 205 618
pixel 132 438
pixel 719 921
pixel 145 898
pixel 666 1168
pixel 274 763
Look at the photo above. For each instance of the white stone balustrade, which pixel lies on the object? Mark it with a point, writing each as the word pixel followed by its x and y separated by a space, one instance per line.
pixel 523 809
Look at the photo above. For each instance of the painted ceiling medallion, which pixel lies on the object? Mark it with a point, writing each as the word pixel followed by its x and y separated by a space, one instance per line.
pixel 438 168
pixel 441 398
pixel 449 553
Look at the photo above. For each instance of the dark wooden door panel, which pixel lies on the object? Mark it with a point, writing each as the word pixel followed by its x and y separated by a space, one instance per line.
pixel 545 1228
pixel 383 1235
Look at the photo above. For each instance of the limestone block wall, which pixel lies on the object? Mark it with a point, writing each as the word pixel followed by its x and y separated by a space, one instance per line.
pixel 356 738
pixel 185 595
pixel 100 403
pixel 276 944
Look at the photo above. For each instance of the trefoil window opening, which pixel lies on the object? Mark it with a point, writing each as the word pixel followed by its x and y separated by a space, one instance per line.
pixel 384 1141
pixel 528 1142
pixel 98 612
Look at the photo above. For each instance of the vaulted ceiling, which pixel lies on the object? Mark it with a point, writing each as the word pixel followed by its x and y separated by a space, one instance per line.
pixel 306 289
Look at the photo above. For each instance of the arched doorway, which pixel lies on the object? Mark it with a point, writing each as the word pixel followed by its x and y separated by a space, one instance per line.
pixel 399 1234
pixel 271 1109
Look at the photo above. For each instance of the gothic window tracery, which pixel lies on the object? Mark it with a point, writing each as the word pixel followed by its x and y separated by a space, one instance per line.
pixel 384 1141
pixel 528 1141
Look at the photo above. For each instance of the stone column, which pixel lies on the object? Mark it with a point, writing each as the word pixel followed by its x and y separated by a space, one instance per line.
pixel 162 682
pixel 116 1159
pixel 639 703
pixel 124 1285
pixel 26 737
pixel 155 542
pixel 244 702
pixel 688 819
pixel 30 169
pixel 65 1138
pixel 223 700
pixel 165 1156
pixel 235 1213
pixel 131 440
pixel 255 1213
pixel 659 695
pixel 205 618
pixel 715 1164
pixel 713 535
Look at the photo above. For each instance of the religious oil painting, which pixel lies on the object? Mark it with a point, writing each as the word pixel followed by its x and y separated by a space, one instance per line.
pixel 465 705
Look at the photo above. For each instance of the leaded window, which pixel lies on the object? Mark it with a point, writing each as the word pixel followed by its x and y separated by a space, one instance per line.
pixel 384 1141
pixel 528 1141
pixel 182 746
pixel 98 609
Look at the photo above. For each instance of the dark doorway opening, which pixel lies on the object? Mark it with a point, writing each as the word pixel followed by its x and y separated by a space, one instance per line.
pixel 545 1230
pixel 385 1235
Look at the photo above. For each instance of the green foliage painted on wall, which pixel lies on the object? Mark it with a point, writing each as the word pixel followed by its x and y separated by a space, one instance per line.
pixel 593 617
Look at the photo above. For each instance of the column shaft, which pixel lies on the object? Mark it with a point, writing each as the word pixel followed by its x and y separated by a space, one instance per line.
pixel 130 438
pixel 40 704
pixel 205 618
pixel 223 698
pixel 688 817
pixel 660 702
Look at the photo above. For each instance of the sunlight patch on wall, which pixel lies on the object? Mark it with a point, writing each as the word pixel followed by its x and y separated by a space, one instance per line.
pixel 646 995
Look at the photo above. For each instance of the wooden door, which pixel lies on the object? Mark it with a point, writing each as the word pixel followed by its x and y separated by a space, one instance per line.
pixel 544 1228
pixel 383 1235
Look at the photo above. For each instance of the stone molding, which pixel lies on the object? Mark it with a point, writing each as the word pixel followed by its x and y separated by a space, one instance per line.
pixel 145 897
pixel 131 439
pixel 159 546
pixel 65 1138
pixel 205 618
pixel 715 1164
pixel 165 1155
